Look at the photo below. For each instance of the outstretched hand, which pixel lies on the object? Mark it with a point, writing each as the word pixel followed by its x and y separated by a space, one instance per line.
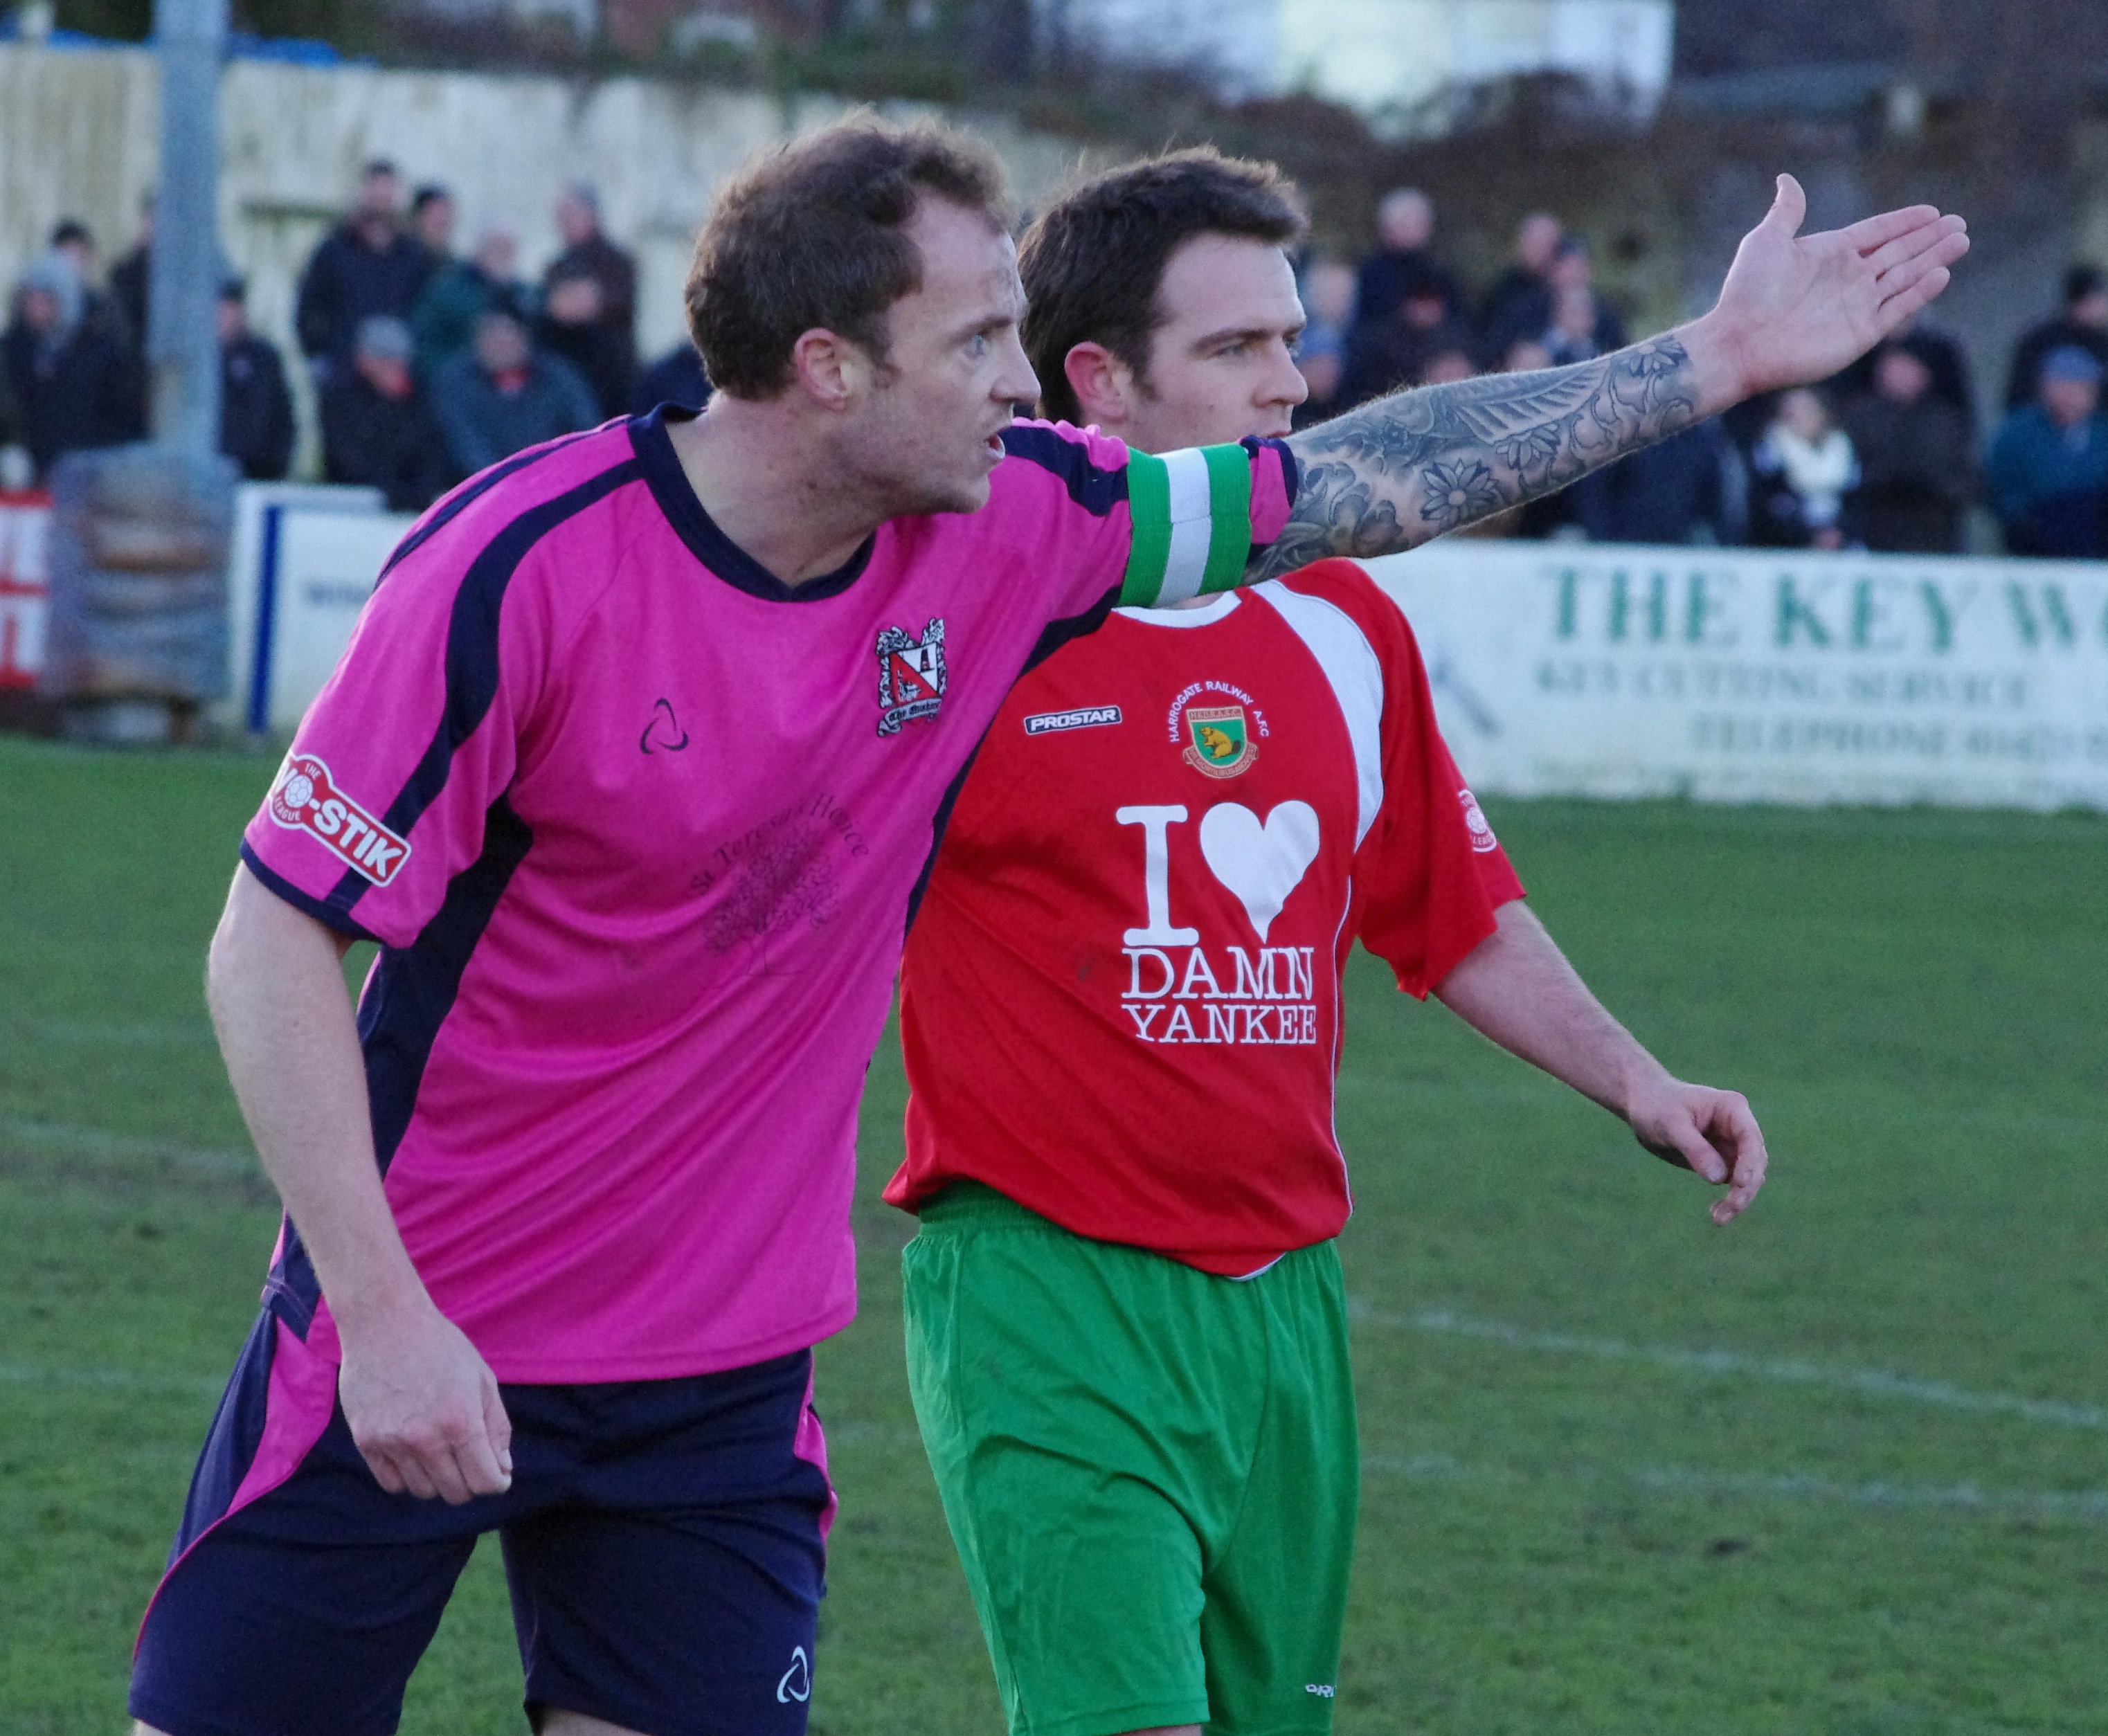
pixel 1796 307
pixel 1709 1132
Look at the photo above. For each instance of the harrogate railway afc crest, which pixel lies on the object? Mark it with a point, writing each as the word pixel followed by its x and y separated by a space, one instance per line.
pixel 1219 741
pixel 911 675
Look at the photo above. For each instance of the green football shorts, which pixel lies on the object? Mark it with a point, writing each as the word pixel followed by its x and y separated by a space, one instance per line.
pixel 1150 1472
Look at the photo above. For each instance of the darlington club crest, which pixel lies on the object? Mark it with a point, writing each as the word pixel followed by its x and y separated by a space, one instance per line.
pixel 911 675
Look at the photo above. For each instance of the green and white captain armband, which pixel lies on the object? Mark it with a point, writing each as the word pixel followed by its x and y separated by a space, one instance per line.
pixel 1193 523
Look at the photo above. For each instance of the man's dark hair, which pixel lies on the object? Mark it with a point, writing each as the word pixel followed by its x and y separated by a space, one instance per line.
pixel 2083 280
pixel 71 232
pixel 375 168
pixel 1093 264
pixel 430 193
pixel 811 235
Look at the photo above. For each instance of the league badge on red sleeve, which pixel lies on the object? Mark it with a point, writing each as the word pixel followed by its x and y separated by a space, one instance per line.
pixel 305 798
pixel 1474 823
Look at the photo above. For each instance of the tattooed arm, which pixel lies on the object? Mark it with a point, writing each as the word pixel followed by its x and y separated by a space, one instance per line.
pixel 1406 468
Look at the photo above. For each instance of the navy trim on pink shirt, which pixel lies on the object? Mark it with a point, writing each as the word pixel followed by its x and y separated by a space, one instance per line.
pixel 720 556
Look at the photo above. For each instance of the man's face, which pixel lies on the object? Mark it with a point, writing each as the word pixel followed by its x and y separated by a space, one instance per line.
pixel 496 252
pixel 575 220
pixel 501 343
pixel 1900 377
pixel 1222 365
pixel 2070 401
pixel 435 224
pixel 1406 220
pixel 2091 311
pixel 922 432
pixel 380 197
pixel 1537 241
pixel 233 320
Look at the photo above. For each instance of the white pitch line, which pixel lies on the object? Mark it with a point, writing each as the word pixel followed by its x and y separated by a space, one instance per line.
pixel 2089 1504
pixel 119 1380
pixel 1873 1384
pixel 97 1142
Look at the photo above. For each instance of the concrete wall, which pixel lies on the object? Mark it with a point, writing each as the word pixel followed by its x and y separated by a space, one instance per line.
pixel 79 132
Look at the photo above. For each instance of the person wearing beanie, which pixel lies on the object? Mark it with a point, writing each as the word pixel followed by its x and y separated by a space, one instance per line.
pixel 2048 473
pixel 2082 321
pixel 375 429
pixel 503 393
pixel 69 377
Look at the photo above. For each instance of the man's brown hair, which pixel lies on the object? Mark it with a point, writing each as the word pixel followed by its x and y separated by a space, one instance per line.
pixel 811 235
pixel 1092 265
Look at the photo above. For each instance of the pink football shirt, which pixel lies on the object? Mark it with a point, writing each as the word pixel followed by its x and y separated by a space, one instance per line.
pixel 640 831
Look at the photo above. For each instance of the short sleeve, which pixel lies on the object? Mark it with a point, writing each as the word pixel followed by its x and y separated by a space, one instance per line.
pixel 1136 529
pixel 399 768
pixel 1430 871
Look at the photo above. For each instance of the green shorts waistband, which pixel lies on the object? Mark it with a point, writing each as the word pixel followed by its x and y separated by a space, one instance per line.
pixel 975 1205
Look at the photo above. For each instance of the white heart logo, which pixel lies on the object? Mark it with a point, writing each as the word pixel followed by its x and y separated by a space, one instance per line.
pixel 1261 863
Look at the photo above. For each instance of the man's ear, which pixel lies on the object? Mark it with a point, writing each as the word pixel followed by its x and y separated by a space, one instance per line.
pixel 1104 385
pixel 829 369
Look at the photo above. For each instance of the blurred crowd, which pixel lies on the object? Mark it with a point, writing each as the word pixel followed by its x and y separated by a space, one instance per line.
pixel 1887 457
pixel 429 364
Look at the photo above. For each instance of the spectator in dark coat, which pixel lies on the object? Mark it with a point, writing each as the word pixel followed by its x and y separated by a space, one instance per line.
pixel 16 467
pixel 129 278
pixel 367 268
pixel 675 378
pixel 1519 305
pixel 2084 323
pixel 1917 472
pixel 589 301
pixel 2047 472
pixel 432 222
pixel 100 310
pixel 502 394
pixel 442 324
pixel 74 386
pixel 1689 488
pixel 255 408
pixel 376 429
pixel 1404 263
pixel 1573 277
pixel 1327 291
pixel 1386 355
pixel 1943 359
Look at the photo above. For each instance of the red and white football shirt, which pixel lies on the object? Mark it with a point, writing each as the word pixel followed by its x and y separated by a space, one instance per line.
pixel 1120 997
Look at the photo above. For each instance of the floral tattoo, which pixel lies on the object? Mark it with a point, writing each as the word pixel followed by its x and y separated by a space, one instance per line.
pixel 1405 469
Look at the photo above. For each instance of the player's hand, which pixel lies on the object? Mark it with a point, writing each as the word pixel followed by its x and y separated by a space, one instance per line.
pixel 424 1408
pixel 1796 307
pixel 1710 1132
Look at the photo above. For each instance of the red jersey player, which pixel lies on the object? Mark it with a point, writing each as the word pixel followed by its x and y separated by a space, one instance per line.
pixel 1120 1006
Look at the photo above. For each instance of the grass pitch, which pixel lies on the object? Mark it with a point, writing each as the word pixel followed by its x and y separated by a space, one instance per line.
pixel 1841 1470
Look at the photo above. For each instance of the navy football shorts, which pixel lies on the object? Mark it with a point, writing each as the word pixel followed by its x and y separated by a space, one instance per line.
pixel 664 1541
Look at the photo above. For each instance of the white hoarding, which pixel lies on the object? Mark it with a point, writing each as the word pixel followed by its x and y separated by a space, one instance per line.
pixel 315 571
pixel 1741 675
